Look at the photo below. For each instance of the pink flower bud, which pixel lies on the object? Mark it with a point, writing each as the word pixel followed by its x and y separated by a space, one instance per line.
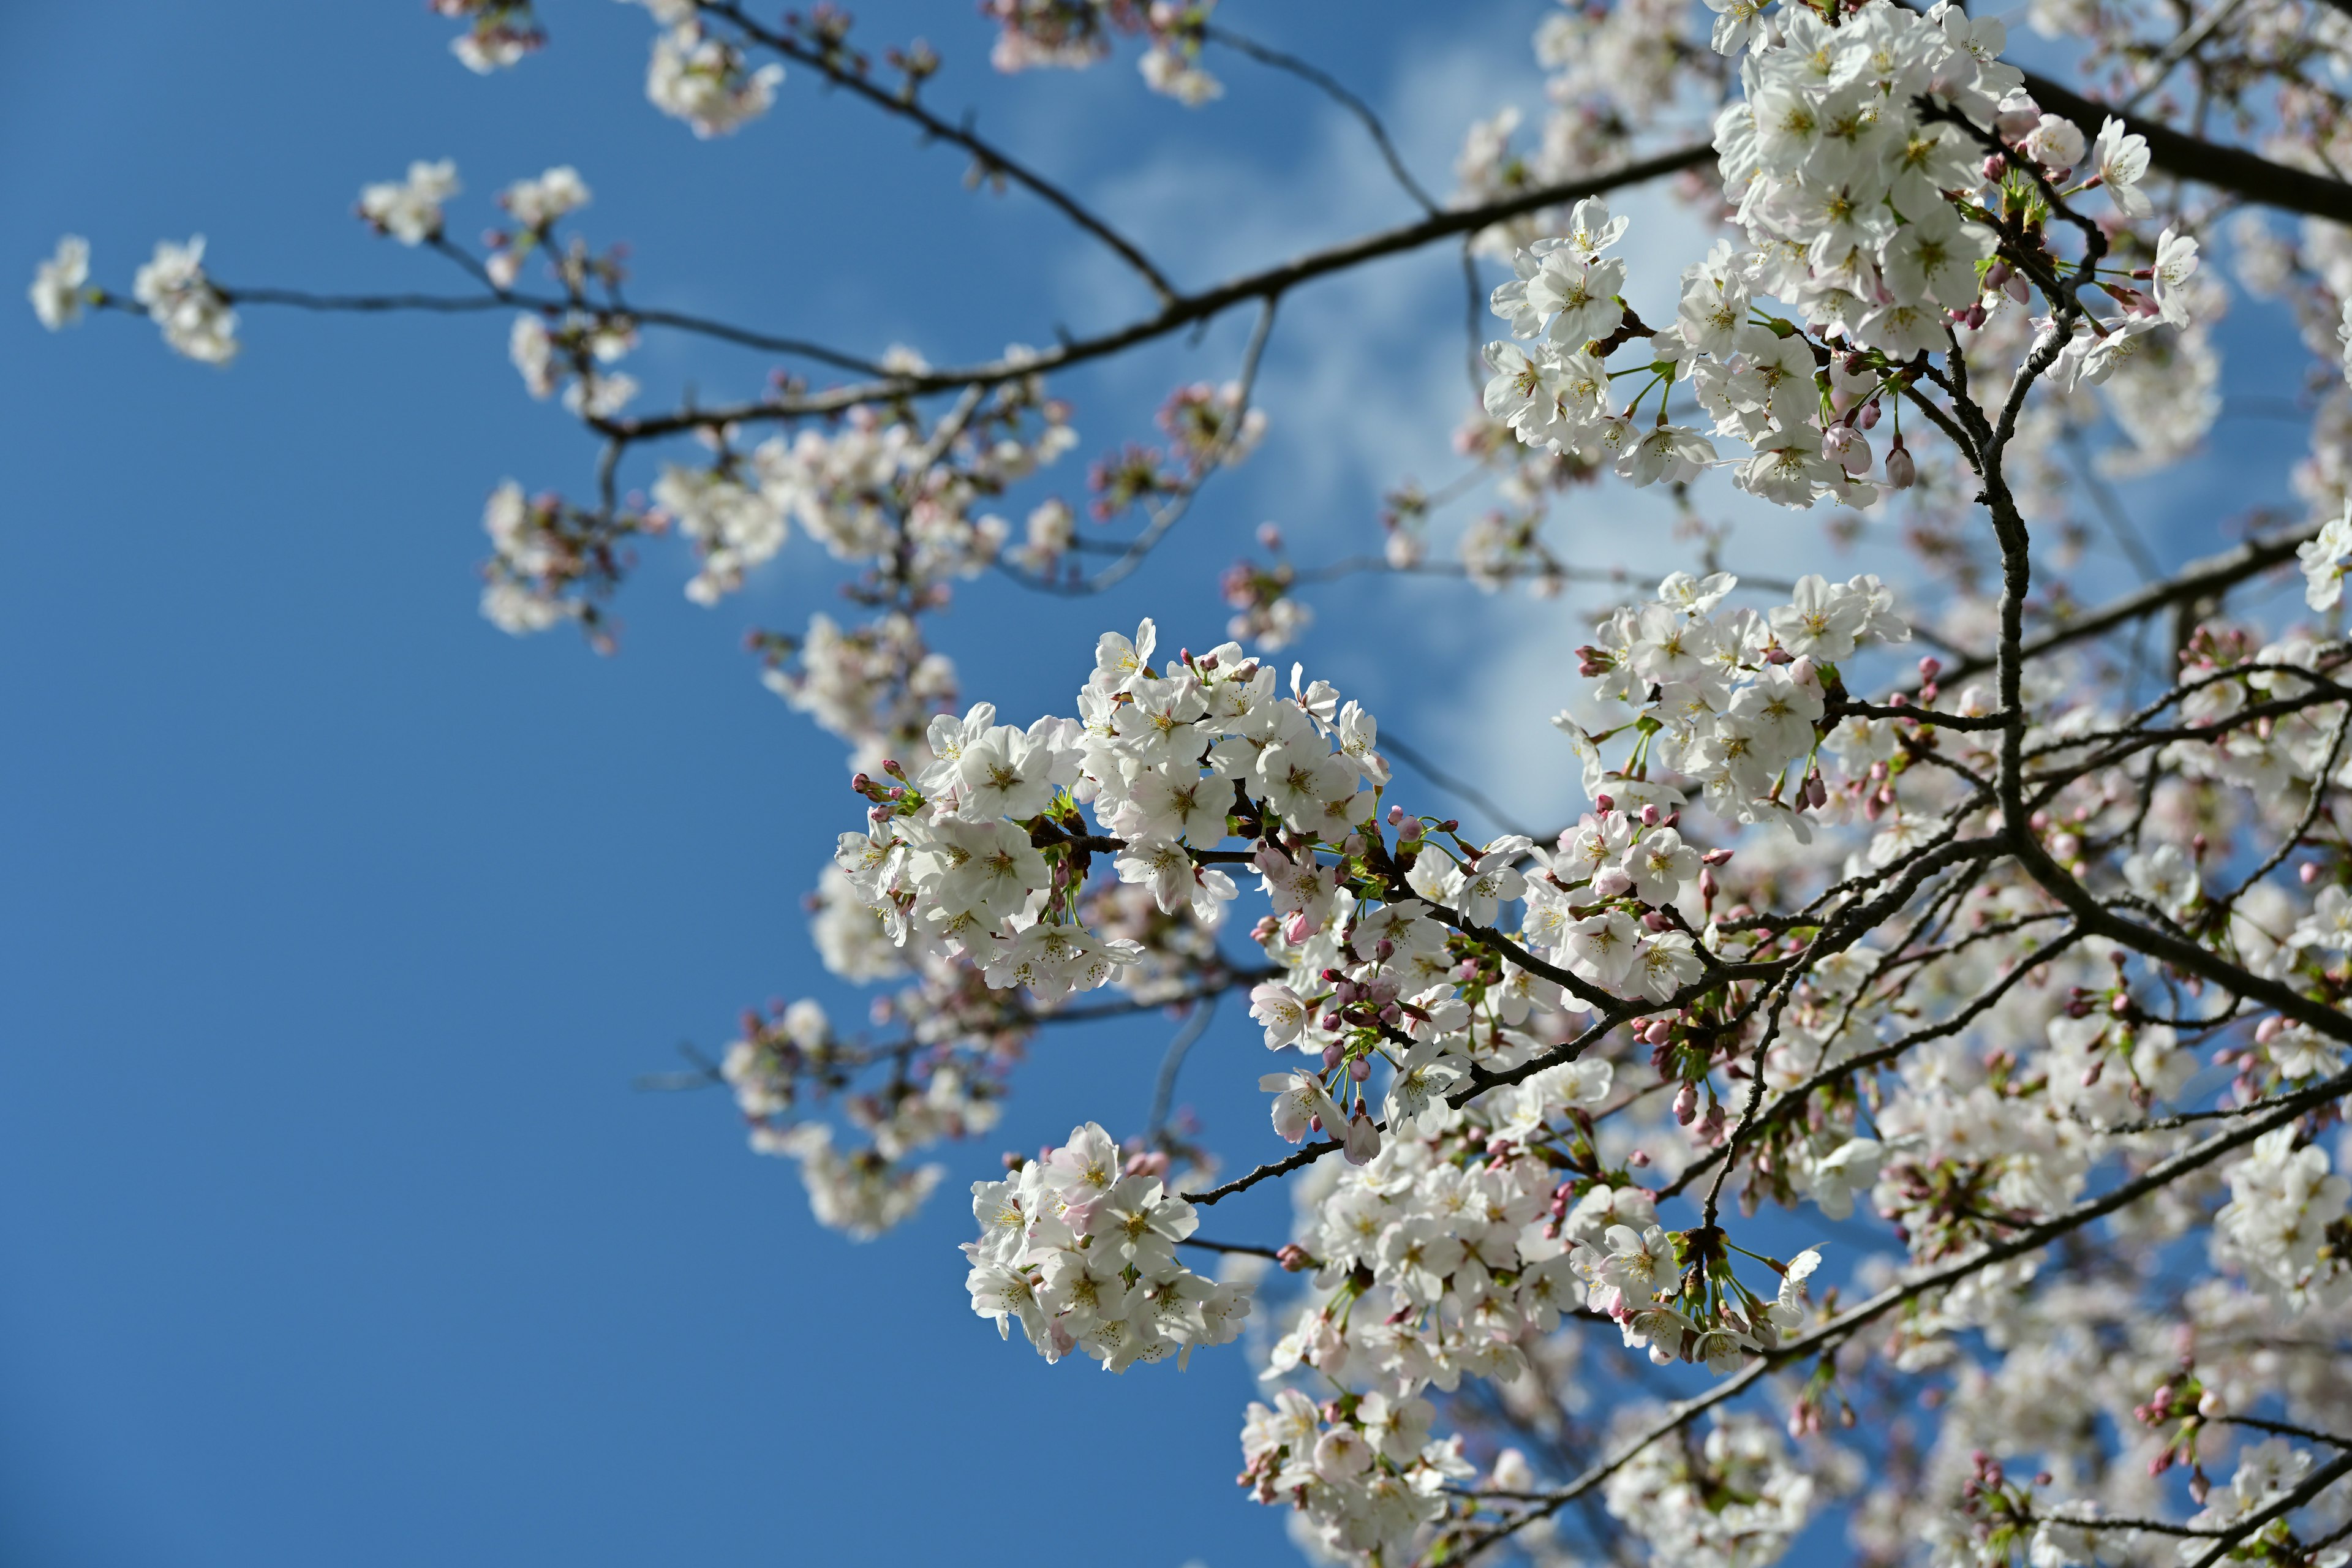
pixel 1361 1069
pixel 1686 1103
pixel 1649 815
pixel 1868 418
pixel 1995 166
pixel 1331 1057
pixel 1639 1159
pixel 2269 1029
pixel 1902 473
pixel 2308 872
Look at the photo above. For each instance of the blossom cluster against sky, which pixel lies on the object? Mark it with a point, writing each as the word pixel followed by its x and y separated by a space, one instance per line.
pixel 338 924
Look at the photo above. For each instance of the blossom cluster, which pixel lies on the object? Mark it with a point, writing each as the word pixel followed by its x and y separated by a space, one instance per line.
pixel 1079 1246
pixel 1071 34
pixel 409 210
pixel 1864 217
pixel 1974 960
pixel 704 79
pixel 1732 698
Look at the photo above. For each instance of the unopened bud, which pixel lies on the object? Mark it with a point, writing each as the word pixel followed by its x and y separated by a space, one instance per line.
pixel 1902 472
pixel 1361 1069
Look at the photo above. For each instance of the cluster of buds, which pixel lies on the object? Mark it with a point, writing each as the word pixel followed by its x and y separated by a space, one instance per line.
pixel 2183 1403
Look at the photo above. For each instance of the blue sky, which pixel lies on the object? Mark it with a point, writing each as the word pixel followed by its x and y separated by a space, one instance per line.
pixel 337 924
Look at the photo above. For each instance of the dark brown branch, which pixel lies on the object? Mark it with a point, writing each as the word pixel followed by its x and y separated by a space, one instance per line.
pixel 1307 1155
pixel 466 304
pixel 992 159
pixel 1187 310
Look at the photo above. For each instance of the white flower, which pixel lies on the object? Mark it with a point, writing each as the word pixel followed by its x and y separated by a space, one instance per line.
pixel 2123 165
pixel 701 81
pixel 2175 263
pixel 1660 863
pixel 1602 947
pixel 535 204
pixel 58 282
pixel 1299 1101
pixel 2324 557
pixel 1278 1007
pixel 1422 1075
pixel 410 210
pixel 196 320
